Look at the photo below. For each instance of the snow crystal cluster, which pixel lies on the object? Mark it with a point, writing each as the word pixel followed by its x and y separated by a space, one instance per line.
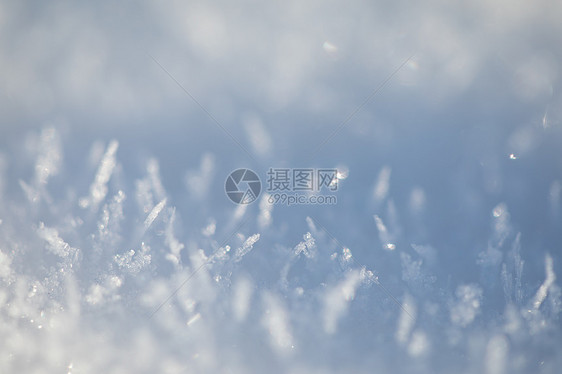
pixel 105 275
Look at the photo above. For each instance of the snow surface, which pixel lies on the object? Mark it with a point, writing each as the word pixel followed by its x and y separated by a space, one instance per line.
pixel 121 253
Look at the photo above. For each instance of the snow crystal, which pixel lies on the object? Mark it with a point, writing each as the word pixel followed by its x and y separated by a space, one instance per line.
pixel 346 255
pixel 109 224
pixel 419 344
pixel 501 231
pixel 98 293
pixel 153 214
pixel 411 269
pixel 467 305
pixel 241 298
pixel 276 322
pixel 343 173
pixel 497 352
pixel 153 170
pixel 382 185
pixel 31 193
pixel 542 292
pixel 311 225
pixel 221 254
pixel 337 298
pixel 502 225
pixel 55 243
pixel 50 156
pixel 406 320
pixel 133 261
pixel 170 239
pixel 307 247
pixel 384 236
pixel 193 319
pixel 98 189
pixel 512 272
pixel 210 229
pixel 239 213
pixel 246 247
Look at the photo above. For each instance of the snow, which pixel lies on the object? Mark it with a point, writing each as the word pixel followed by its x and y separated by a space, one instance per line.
pixel 121 253
pixel 497 352
pixel 307 246
pixel 246 247
pixel 5 270
pixel 541 294
pixel 467 306
pixel 406 321
pixel 337 299
pixel 383 184
pixel 241 298
pixel 98 189
pixel 153 214
pixel 384 236
pixel 275 321
pixel 54 242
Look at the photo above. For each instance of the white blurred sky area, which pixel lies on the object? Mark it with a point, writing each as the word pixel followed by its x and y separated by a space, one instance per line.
pixel 454 175
pixel 89 60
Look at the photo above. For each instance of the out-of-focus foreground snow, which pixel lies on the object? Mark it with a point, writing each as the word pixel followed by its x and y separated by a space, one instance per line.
pixel 121 253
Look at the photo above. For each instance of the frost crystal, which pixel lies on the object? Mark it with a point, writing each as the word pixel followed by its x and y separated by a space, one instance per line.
pixel 50 157
pixel 246 247
pixel 307 247
pixel 170 239
pixel 384 235
pixel 54 242
pixel 546 285
pixel 153 214
pixel 467 305
pixel 133 261
pixel 98 189
pixel 109 224
pixel 346 255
